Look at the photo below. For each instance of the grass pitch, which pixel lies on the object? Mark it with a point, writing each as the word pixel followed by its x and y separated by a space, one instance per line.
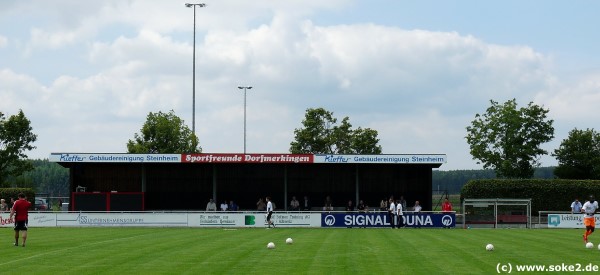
pixel 314 251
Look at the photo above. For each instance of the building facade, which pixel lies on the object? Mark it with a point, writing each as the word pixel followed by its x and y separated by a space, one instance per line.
pixel 173 182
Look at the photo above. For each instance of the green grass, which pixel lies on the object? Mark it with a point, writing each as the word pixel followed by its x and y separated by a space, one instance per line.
pixel 315 251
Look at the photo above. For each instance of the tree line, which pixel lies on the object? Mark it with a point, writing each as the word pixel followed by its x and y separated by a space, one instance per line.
pixel 453 181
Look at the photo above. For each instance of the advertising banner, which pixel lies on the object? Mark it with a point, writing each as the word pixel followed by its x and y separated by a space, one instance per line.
pixel 568 221
pixel 115 158
pixel 35 219
pixel 121 219
pixel 218 219
pixel 383 220
pixel 168 219
pixel 382 159
pixel 247 158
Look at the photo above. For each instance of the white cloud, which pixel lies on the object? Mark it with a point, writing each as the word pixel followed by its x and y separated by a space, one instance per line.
pixel 54 40
pixel 419 89
pixel 3 41
pixel 575 101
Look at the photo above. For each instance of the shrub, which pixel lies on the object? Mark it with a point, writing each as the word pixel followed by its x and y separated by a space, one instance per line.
pixel 545 194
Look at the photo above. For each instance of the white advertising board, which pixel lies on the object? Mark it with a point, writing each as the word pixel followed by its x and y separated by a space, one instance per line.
pixel 383 159
pixel 115 158
pixel 568 221
pixel 220 219
pixel 168 219
pixel 35 219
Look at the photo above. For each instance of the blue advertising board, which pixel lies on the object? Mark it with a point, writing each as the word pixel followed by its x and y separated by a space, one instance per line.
pixel 383 220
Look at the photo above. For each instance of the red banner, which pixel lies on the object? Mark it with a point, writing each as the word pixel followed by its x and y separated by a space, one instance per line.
pixel 247 158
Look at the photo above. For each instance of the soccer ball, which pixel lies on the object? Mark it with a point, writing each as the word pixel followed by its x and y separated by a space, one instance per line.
pixel 271 245
pixel 489 247
pixel 290 241
pixel 589 245
pixel 599 247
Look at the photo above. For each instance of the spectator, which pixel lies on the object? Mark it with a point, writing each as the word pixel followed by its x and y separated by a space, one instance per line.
pixel 233 206
pixel 328 206
pixel 383 205
pixel 446 206
pixel 576 206
pixel 260 205
pixel 306 204
pixel 361 207
pixel 211 206
pixel 403 202
pixel 417 207
pixel 350 206
pixel 224 206
pixel 294 204
pixel 3 205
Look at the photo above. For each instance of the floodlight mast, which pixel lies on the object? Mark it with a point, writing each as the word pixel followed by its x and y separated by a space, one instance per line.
pixel 244 88
pixel 201 5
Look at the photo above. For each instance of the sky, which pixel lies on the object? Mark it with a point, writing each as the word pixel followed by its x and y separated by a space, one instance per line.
pixel 87 73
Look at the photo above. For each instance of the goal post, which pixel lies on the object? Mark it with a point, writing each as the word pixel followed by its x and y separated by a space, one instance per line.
pixel 496 212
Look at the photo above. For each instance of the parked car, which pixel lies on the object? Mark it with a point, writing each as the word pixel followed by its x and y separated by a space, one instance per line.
pixel 40 204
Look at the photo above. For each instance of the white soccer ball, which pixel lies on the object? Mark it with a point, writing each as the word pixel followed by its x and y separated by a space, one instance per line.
pixel 289 241
pixel 271 245
pixel 489 247
pixel 589 245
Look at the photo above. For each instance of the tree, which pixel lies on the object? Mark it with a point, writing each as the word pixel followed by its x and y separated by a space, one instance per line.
pixel 16 137
pixel 321 135
pixel 508 139
pixel 579 155
pixel 46 177
pixel 164 133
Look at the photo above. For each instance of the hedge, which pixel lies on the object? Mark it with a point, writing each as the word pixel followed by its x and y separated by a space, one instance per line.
pixel 545 194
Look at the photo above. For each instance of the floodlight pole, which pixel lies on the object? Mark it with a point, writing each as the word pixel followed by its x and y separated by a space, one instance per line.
pixel 194 67
pixel 244 88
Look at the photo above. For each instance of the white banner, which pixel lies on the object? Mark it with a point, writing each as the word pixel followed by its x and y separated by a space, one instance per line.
pixel 221 219
pixel 568 221
pixel 199 219
pixel 35 219
pixel 392 159
pixel 114 158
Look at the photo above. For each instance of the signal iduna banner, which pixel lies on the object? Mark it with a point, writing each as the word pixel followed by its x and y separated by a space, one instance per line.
pixel 382 220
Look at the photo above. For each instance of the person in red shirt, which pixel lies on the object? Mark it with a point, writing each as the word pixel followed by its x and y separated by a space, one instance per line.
pixel 20 211
pixel 446 206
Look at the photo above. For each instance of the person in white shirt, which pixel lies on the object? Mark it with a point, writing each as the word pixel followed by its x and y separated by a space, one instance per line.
pixel 589 208
pixel 399 214
pixel 294 204
pixel 576 207
pixel 392 213
pixel 211 206
pixel 269 213
pixel 417 207
pixel 224 206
